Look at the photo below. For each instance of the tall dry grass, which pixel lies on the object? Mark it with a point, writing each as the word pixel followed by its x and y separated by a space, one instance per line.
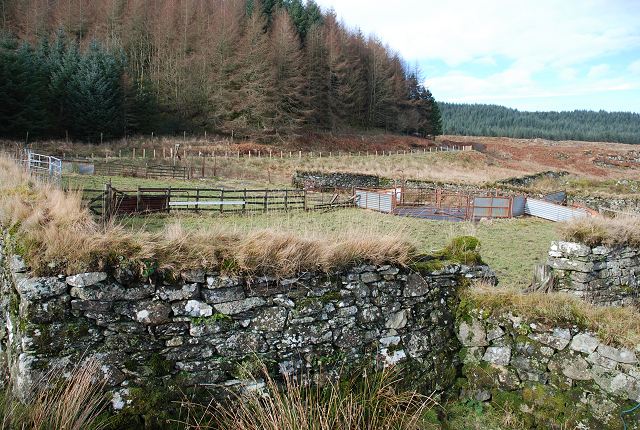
pixel 613 324
pixel 56 234
pixel 75 403
pixel 619 231
pixel 371 401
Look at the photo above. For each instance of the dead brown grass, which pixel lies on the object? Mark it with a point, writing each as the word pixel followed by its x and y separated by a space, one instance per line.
pixel 56 234
pixel 618 231
pixel 615 325
pixel 372 401
pixel 75 403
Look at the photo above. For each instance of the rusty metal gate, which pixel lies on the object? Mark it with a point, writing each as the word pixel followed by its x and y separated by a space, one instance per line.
pixel 433 204
pixel 437 204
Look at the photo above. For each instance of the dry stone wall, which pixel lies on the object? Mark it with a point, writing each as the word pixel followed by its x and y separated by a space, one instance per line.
pixel 600 275
pixel 158 332
pixel 306 179
pixel 551 376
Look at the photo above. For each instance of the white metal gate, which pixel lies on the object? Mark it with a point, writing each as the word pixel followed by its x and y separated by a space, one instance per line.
pixel 43 167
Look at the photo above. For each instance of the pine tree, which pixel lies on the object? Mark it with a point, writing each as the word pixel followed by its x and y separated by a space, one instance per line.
pixel 140 107
pixel 96 95
pixel 22 91
pixel 64 61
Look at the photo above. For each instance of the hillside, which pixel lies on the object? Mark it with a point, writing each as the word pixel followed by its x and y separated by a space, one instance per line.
pixel 493 120
pixel 244 68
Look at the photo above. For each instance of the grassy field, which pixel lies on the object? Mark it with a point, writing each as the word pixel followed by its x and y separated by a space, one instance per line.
pixel 510 247
pixel 80 182
pixel 464 167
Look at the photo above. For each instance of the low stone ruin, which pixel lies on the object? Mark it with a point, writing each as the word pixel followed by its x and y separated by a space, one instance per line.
pixel 599 275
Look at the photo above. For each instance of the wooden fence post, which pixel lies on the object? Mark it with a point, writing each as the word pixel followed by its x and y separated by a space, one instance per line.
pixel 105 204
pixel 244 202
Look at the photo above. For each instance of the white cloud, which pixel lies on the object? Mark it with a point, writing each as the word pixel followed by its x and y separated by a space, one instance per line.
pixel 458 31
pixel 635 67
pixel 598 71
pixel 568 74
pixel 551 48
pixel 463 88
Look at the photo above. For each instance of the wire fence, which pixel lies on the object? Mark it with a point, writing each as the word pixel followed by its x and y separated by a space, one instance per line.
pixel 179 154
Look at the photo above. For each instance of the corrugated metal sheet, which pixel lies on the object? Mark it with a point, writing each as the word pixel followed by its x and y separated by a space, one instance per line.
pixel 518 206
pixel 491 207
pixel 377 201
pixel 552 211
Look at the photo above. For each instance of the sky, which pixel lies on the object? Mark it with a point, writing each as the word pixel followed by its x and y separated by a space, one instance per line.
pixel 525 54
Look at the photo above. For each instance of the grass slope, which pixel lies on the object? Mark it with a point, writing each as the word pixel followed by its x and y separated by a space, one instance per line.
pixel 510 247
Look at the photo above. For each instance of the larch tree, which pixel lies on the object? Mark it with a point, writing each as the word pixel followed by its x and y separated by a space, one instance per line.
pixel 223 39
pixel 318 79
pixel 252 79
pixel 290 105
pixel 243 66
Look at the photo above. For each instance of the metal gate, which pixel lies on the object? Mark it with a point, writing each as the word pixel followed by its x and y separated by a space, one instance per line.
pixel 492 207
pixel 379 200
pixel 44 167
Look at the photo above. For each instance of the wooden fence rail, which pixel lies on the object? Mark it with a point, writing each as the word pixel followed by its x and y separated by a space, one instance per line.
pixel 110 201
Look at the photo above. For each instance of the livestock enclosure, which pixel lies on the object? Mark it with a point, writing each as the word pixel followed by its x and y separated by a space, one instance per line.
pixel 440 205
pixel 111 201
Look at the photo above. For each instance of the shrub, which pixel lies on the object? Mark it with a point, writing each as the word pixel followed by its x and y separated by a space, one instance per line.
pixel 464 249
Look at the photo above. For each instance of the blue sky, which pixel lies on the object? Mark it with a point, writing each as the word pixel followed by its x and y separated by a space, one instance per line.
pixel 530 55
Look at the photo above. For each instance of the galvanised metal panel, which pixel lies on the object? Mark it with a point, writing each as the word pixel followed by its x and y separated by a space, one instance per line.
pixel 518 206
pixel 491 207
pixel 483 201
pixel 552 211
pixel 380 202
pixel 498 212
pixel 481 212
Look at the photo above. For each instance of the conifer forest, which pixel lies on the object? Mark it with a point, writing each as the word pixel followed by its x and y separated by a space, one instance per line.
pixel 92 70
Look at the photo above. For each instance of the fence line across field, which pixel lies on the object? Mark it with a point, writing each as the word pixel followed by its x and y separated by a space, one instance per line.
pixel 186 153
